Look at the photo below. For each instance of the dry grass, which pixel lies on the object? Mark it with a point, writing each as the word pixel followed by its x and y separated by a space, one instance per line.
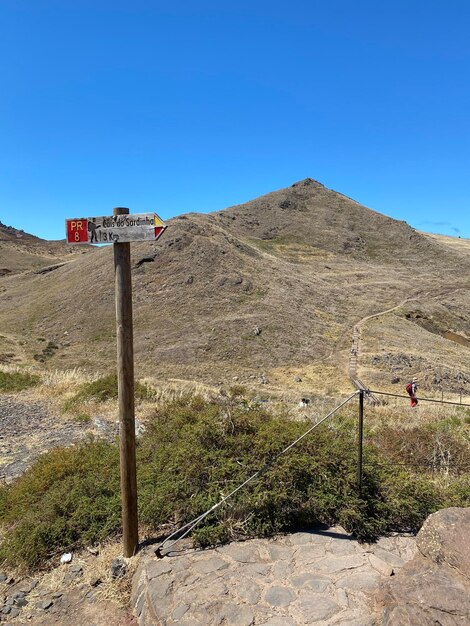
pixel 95 567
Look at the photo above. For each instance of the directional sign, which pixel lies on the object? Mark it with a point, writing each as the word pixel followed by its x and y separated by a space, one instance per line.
pixel 114 229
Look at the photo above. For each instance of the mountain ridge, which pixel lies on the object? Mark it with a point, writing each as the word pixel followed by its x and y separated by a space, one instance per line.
pixel 300 275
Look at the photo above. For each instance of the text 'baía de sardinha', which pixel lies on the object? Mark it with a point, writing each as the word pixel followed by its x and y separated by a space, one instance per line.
pixel 122 221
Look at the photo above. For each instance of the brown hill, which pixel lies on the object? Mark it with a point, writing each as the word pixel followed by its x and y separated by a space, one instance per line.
pixel 265 291
pixel 21 251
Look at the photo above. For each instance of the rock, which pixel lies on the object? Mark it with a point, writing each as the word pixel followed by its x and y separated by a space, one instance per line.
pixel 94 582
pixel 280 621
pixel 434 587
pixel 118 568
pixel 423 594
pixel 21 602
pixel 312 581
pixel 18 595
pixel 242 552
pixel 332 564
pixel 139 428
pixel 3 577
pixel 14 612
pixel 279 596
pixel 66 558
pixel 257 330
pixel 297 379
pixel 234 615
pixel 180 611
pixel 249 591
pixel 28 586
pixel 381 566
pixel 359 581
pixel 213 564
pixel 316 607
pixel 46 605
pixel 444 539
pixel 145 259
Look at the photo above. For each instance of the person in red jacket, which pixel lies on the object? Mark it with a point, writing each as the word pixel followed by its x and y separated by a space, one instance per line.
pixel 411 389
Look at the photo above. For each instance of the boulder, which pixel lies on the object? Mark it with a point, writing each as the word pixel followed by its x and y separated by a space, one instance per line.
pixel 434 587
pixel 444 538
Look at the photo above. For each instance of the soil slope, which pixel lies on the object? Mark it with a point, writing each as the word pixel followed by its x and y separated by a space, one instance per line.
pixel 262 292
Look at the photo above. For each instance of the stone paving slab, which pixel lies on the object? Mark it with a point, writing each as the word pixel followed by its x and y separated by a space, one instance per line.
pixel 324 578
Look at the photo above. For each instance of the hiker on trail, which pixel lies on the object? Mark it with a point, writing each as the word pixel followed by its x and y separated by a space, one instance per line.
pixel 411 389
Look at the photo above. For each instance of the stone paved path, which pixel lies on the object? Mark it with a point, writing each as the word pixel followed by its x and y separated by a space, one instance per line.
pixel 322 578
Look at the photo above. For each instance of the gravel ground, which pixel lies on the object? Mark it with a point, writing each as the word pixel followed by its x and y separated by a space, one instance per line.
pixel 27 429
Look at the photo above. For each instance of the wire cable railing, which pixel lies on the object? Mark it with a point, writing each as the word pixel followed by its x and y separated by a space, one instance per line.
pixel 184 530
pixel 362 393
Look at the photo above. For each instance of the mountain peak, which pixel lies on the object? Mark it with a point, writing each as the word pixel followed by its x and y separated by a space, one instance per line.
pixel 308 182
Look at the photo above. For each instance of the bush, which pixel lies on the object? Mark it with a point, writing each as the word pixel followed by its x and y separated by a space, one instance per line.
pixel 17 381
pixel 102 389
pixel 69 498
pixel 435 447
pixel 195 452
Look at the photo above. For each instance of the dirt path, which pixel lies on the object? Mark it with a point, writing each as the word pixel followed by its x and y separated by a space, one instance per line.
pixel 353 359
pixel 357 330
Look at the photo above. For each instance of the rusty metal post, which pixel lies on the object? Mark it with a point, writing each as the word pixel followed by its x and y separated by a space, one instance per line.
pixel 360 441
pixel 125 374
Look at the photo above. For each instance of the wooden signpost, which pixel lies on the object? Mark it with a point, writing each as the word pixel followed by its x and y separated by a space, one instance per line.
pixel 120 229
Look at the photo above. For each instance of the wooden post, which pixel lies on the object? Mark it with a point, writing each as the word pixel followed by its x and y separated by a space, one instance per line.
pixel 125 374
pixel 360 440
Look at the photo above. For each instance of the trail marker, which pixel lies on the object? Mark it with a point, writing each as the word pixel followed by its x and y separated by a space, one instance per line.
pixel 120 229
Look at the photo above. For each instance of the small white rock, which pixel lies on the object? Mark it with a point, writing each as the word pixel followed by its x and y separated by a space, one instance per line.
pixel 66 558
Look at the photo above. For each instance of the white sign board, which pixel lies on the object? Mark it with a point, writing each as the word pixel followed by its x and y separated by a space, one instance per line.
pixel 114 228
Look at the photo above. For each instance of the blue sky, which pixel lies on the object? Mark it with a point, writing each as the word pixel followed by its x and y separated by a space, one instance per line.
pixel 194 106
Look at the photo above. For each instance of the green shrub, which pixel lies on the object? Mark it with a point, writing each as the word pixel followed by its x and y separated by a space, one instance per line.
pixel 69 498
pixel 191 455
pixel 102 389
pixel 17 381
pixel 83 418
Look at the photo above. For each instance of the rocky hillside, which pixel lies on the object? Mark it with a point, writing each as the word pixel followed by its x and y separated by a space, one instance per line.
pixel 265 293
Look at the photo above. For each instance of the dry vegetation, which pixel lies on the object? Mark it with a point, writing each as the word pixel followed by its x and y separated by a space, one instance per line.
pixel 193 449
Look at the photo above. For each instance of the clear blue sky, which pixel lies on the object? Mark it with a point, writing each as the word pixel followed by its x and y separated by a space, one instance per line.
pixel 194 106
